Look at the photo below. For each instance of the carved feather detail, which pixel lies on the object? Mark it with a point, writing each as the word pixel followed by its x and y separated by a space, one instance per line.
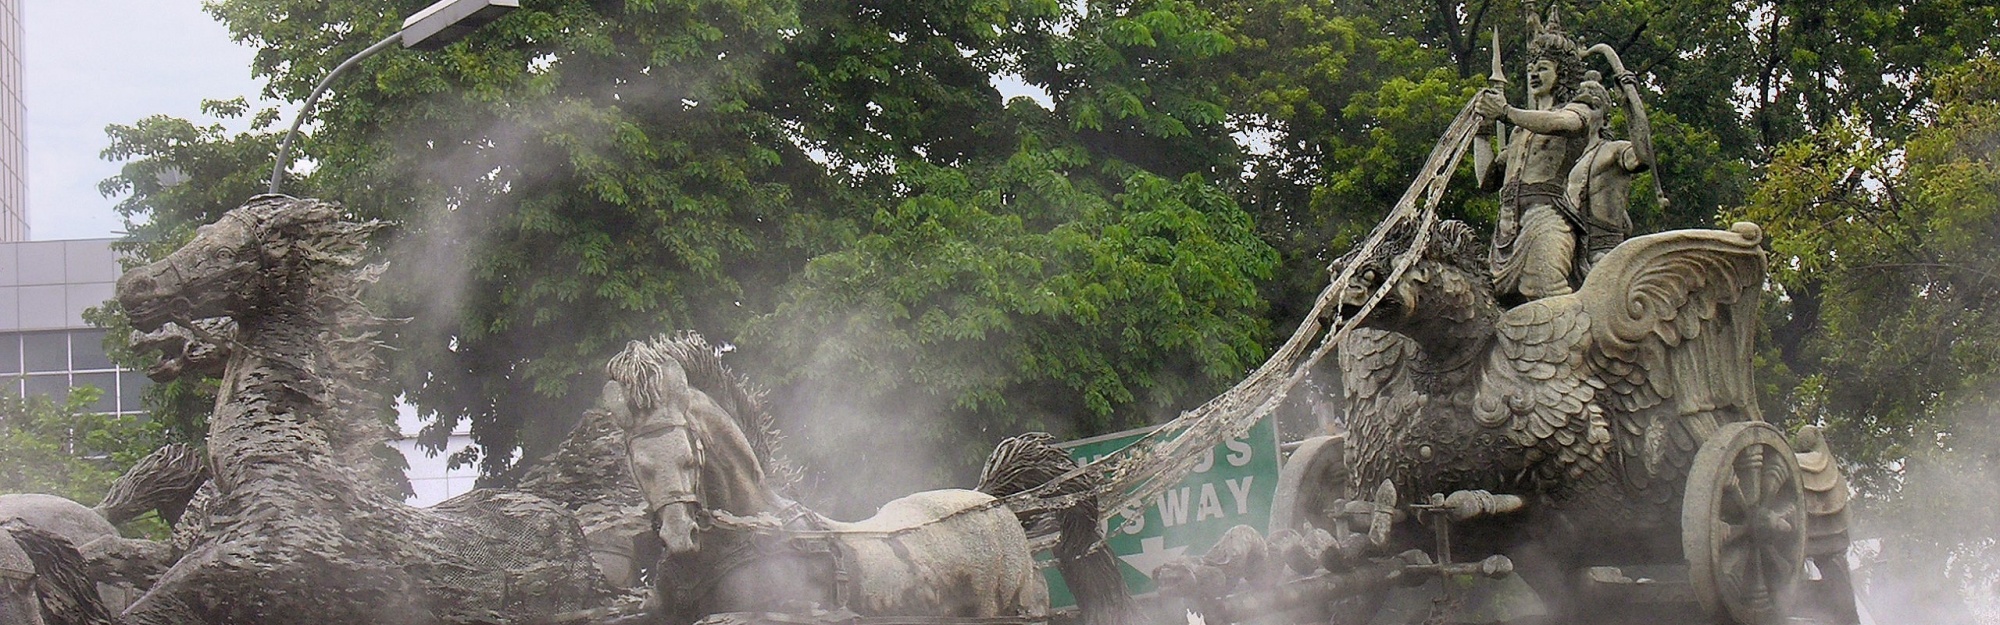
pixel 1615 385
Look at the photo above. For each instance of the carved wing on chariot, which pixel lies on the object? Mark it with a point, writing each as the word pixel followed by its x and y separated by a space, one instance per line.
pixel 1674 334
pixel 1640 365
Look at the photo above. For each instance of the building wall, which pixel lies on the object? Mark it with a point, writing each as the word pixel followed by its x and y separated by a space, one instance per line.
pixel 431 476
pixel 46 348
pixel 13 125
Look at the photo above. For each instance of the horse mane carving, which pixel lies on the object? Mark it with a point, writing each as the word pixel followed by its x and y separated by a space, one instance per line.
pixel 738 396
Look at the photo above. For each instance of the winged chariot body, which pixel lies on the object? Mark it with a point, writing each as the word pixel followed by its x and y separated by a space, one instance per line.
pixel 1591 405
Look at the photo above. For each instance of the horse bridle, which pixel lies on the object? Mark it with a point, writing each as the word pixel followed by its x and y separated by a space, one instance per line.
pixel 691 497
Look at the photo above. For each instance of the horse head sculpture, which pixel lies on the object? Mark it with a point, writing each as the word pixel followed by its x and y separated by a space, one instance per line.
pixel 305 518
pixel 703 452
pixel 690 455
pixel 241 260
pixel 666 456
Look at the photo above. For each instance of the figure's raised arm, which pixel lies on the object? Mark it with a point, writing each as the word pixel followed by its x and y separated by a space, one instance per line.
pixel 1564 121
pixel 1637 125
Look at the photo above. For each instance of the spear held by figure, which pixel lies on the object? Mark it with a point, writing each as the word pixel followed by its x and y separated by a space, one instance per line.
pixel 1497 80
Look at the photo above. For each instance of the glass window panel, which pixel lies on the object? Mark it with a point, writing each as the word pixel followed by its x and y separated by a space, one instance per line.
pixel 55 387
pixel 10 353
pixel 45 351
pixel 106 383
pixel 86 350
pixel 132 386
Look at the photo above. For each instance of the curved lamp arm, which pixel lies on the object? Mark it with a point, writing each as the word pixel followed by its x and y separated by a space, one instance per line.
pixel 285 146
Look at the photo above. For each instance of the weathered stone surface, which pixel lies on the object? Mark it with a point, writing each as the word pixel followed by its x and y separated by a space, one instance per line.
pixel 306 524
pixel 1591 403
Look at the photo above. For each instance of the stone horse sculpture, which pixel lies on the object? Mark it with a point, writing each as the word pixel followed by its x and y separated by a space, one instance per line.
pixel 301 529
pixel 701 455
pixel 42 580
pixel 164 481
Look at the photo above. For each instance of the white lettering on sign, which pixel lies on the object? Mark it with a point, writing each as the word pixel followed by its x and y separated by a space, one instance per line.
pixel 1135 519
pixel 1240 491
pixel 1173 506
pixel 1211 505
pixel 1239 452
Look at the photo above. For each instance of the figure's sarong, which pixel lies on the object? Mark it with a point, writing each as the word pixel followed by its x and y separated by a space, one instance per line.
pixel 1534 247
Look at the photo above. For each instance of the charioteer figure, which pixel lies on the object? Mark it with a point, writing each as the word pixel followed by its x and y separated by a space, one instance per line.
pixel 1535 241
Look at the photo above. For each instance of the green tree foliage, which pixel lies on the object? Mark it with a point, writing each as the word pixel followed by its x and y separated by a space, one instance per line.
pixel 62 449
pixel 1345 97
pixel 675 164
pixel 1895 237
pixel 1017 298
pixel 597 161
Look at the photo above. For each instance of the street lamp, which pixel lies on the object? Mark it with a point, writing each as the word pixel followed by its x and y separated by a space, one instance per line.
pixel 434 27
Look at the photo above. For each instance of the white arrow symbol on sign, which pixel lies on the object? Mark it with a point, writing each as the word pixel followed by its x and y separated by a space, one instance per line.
pixel 1153 552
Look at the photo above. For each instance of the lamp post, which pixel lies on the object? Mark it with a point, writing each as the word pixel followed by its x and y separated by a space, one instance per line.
pixel 434 27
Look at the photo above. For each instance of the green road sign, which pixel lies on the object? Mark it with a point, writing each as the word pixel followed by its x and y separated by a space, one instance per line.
pixel 1233 485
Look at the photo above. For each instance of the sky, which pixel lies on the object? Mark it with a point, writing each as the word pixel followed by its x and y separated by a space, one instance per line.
pixel 91 63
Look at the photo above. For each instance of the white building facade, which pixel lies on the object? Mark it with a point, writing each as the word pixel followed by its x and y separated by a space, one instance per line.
pixel 13 127
pixel 46 348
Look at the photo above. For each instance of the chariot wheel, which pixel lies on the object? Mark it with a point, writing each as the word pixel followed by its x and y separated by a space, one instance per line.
pixel 1312 477
pixel 1743 524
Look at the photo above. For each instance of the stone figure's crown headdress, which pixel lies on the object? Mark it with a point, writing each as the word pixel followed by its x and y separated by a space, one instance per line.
pixel 1548 41
pixel 1546 26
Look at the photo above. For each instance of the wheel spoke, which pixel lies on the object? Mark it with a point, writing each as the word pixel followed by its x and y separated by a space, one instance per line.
pixel 1733 561
pixel 1775 558
pixel 1731 533
pixel 1774 476
pixel 1749 584
pixel 1750 465
pixel 1785 520
pixel 1733 507
pixel 1730 578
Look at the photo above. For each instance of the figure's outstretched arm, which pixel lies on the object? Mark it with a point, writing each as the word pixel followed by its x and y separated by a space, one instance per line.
pixel 1561 121
pixel 1487 161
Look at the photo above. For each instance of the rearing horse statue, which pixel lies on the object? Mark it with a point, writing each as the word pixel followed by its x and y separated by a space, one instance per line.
pixel 700 446
pixel 303 530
